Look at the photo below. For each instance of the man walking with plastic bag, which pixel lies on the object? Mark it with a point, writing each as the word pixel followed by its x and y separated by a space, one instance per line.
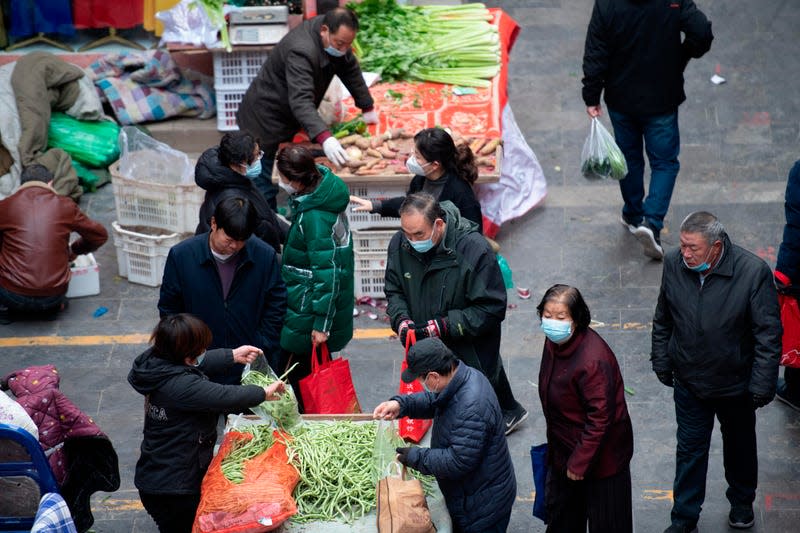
pixel 634 53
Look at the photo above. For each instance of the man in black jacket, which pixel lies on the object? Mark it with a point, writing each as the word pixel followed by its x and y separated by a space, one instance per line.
pixel 717 341
pixel 634 54
pixel 468 454
pixel 284 97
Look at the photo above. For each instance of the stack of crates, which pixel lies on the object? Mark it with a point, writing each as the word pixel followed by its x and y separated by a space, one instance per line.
pixel 152 216
pixel 233 72
pixel 371 236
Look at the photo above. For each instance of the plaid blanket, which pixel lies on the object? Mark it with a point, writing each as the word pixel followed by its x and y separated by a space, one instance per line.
pixel 53 516
pixel 149 86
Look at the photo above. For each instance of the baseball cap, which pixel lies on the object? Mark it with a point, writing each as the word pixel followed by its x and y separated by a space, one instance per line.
pixel 427 355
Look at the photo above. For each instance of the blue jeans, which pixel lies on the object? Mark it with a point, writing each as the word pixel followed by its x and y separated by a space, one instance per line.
pixel 661 139
pixel 737 422
pixel 264 183
pixel 31 304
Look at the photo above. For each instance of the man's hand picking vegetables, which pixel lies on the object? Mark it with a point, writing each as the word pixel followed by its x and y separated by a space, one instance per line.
pixel 387 410
pixel 246 354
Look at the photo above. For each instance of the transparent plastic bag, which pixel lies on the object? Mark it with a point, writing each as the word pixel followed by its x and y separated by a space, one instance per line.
pixel 145 159
pixel 387 440
pixel 601 158
pixel 283 412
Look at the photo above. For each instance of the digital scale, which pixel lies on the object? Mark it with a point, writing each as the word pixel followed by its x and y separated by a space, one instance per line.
pixel 259 25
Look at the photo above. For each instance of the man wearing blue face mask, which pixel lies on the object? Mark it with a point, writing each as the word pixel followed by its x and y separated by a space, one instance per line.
pixel 229 170
pixel 442 280
pixel 284 97
pixel 717 341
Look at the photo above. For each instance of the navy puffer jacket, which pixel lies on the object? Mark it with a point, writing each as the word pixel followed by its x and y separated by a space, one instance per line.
pixel 468 455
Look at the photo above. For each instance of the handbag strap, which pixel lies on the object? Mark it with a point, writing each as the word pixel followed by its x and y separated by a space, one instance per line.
pixel 326 356
pixel 411 339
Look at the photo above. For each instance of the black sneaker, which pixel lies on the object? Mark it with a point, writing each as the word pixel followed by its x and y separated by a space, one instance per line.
pixel 741 517
pixel 681 529
pixel 783 395
pixel 514 418
pixel 649 237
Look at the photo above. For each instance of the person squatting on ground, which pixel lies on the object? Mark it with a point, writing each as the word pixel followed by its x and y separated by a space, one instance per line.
pixel 717 341
pixel 635 57
pixel 284 97
pixel 442 280
pixel 231 280
pixel 317 263
pixel 468 454
pixel 589 432
pixel 181 411
pixel 35 252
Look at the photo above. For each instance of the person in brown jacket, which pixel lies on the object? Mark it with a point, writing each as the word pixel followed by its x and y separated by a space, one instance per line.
pixel 35 227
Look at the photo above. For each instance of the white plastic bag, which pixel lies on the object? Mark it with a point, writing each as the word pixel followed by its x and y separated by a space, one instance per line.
pixel 188 23
pixel 145 159
pixel 13 414
pixel 601 158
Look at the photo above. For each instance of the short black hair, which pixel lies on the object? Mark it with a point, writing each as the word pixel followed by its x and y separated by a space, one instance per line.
pixel 236 148
pixel 236 216
pixel 423 203
pixel 574 301
pixel 35 172
pixel 341 16
pixel 177 337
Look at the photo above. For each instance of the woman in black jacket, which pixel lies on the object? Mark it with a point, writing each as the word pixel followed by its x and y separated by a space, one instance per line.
pixel 181 409
pixel 229 170
pixel 440 169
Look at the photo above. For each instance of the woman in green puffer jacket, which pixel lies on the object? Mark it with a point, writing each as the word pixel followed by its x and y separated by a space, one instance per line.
pixel 317 261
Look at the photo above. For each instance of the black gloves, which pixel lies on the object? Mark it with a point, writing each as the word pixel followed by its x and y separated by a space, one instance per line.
pixel 402 455
pixel 759 400
pixel 436 327
pixel 665 377
pixel 403 329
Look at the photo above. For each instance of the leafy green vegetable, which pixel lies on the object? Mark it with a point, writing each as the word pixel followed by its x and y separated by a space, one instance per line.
pixel 601 157
pixel 216 15
pixel 343 129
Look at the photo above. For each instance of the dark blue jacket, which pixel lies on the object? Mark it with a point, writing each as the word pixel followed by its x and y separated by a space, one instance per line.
pixel 468 455
pixel 789 252
pixel 252 313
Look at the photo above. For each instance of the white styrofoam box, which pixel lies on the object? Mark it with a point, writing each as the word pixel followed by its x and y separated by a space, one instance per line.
pixel 235 70
pixel 362 219
pixel 85 277
pixel 372 240
pixel 141 256
pixel 168 206
pixel 227 105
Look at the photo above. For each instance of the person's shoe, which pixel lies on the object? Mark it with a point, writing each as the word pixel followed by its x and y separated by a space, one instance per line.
pixel 631 225
pixel 649 238
pixel 514 418
pixel 741 517
pixel 5 315
pixel 783 395
pixel 680 529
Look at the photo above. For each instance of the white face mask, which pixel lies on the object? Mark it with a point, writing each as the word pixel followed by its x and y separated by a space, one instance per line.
pixel 287 187
pixel 221 257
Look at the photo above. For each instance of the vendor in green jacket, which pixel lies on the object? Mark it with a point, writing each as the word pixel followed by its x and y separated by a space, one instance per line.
pixel 443 280
pixel 317 262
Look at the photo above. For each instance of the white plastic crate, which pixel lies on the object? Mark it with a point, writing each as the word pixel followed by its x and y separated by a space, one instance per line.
pixel 141 256
pixel 168 206
pixel 362 219
pixel 374 241
pixel 369 281
pixel 227 106
pixel 235 70
pixel 85 277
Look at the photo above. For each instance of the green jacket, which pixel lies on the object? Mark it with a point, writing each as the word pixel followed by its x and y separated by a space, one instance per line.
pixel 318 267
pixel 459 281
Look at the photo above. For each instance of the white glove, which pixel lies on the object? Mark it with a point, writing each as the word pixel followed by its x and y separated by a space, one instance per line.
pixel 334 151
pixel 370 117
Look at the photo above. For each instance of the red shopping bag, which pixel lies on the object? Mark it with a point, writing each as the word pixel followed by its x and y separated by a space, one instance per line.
pixel 412 429
pixel 790 318
pixel 329 388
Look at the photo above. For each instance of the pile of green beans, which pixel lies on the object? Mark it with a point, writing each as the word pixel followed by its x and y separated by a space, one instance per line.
pixel 335 461
pixel 232 465
pixel 284 410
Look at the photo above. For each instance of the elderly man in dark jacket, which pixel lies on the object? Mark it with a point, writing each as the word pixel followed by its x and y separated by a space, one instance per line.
pixel 232 281
pixel 442 280
pixel 634 53
pixel 285 95
pixel 468 454
pixel 717 341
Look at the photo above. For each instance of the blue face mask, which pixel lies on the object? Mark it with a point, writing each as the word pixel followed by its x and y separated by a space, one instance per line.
pixel 334 52
pixel 200 359
pixel 425 384
pixel 423 246
pixel 557 330
pixel 702 267
pixel 254 170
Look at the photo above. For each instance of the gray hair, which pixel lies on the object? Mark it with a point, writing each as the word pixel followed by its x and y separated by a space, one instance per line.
pixel 423 203
pixel 704 223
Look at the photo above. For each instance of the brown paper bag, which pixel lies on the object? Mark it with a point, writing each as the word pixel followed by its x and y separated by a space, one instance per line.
pixel 402 507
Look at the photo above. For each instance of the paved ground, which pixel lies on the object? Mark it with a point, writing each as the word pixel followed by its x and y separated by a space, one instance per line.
pixel 739 140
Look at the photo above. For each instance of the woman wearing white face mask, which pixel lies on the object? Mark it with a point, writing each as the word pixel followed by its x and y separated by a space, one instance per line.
pixel 228 170
pixel 317 261
pixel 589 432
pixel 440 169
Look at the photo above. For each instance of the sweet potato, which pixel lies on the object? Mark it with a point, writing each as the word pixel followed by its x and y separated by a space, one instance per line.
pixel 372 152
pixel 490 147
